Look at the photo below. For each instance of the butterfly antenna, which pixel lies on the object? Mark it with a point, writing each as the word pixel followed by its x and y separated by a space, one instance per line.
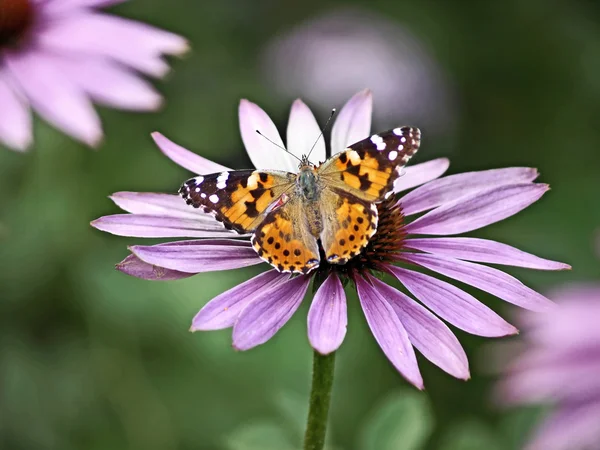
pixel 277 145
pixel 322 131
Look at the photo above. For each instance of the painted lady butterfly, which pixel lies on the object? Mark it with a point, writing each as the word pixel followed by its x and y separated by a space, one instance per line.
pixel 332 205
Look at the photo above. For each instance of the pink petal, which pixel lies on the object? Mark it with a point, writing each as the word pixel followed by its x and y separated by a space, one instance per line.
pixel 154 204
pixel 327 317
pixel 112 84
pixel 485 278
pixel 268 312
pixel 478 209
pixel 389 332
pixel 223 310
pixel 93 33
pixel 135 267
pixel 151 226
pixel 264 154
pixel 186 159
pixel 483 250
pixel 448 189
pixel 302 133
pixel 353 123
pixel 454 305
pixel 199 255
pixel 15 118
pixel 426 332
pixel 54 96
pixel 421 173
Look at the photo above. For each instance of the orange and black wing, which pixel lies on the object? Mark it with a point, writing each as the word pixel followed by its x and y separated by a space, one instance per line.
pixel 240 198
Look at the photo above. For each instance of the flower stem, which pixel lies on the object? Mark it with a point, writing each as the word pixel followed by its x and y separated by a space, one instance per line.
pixel 320 396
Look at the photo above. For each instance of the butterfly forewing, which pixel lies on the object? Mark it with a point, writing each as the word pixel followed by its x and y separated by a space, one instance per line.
pixel 369 168
pixel 240 198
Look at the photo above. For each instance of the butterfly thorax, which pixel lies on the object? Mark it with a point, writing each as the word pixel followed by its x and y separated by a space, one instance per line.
pixel 307 182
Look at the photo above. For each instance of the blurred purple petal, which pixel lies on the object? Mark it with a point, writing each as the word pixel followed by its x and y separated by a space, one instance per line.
pixel 448 189
pixel 111 84
pixel 264 154
pixel 135 267
pixel 103 34
pixel 426 332
pixel 389 332
pixel 15 118
pixel 268 312
pixel 483 250
pixel 151 226
pixel 327 317
pixel 184 158
pixel 155 204
pixel 223 310
pixel 302 133
pixel 454 305
pixel 199 255
pixel 353 123
pixel 421 173
pixel 478 209
pixel 485 278
pixel 54 96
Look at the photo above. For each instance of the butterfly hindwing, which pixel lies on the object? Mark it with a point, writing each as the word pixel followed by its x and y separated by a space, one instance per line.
pixel 239 198
pixel 369 168
pixel 284 239
pixel 349 224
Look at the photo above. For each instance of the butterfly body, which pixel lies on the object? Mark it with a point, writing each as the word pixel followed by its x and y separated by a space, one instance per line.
pixel 328 209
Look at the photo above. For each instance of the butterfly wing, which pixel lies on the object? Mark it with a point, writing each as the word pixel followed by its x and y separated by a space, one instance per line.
pixel 284 238
pixel 349 223
pixel 369 168
pixel 240 198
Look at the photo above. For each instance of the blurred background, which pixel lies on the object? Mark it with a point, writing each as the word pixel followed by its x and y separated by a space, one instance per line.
pixel 91 358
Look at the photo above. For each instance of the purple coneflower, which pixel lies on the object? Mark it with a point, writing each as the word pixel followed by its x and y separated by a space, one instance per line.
pixel 57 56
pixel 559 365
pixel 447 206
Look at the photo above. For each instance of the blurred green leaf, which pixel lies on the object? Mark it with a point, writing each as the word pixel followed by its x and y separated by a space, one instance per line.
pixel 403 422
pixel 264 435
pixel 471 435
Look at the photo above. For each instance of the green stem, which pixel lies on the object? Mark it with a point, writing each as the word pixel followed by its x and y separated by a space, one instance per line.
pixel 320 396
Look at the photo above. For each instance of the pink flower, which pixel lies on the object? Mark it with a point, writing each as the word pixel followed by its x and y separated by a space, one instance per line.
pixel 258 308
pixel 57 56
pixel 559 365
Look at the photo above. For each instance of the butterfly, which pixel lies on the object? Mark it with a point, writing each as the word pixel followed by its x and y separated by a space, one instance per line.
pixel 327 210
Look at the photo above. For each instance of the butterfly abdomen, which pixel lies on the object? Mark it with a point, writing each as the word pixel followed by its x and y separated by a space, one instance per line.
pixel 307 183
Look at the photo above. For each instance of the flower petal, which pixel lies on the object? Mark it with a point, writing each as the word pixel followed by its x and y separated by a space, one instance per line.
pixel 448 189
pixel 198 255
pixel 111 84
pixel 478 209
pixel 54 96
pixel 223 310
pixel 186 159
pixel 421 173
pixel 135 267
pixel 302 132
pixel 155 204
pixel 429 334
pixel 268 312
pixel 327 317
pixel 389 332
pixel 264 154
pixel 353 123
pixel 487 279
pixel 151 226
pixel 483 250
pixel 454 305
pixel 15 119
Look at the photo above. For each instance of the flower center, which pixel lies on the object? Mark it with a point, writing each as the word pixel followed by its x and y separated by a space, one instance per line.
pixel 16 17
pixel 383 248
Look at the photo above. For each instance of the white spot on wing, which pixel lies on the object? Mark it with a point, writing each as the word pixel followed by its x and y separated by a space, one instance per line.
pixel 354 157
pixel 392 155
pixel 222 180
pixel 197 189
pixel 198 180
pixel 403 139
pixel 203 195
pixel 214 198
pixel 381 146
pixel 397 131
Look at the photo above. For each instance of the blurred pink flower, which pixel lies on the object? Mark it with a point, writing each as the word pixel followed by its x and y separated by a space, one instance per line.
pixel 559 364
pixel 57 56
pixel 327 58
pixel 442 207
